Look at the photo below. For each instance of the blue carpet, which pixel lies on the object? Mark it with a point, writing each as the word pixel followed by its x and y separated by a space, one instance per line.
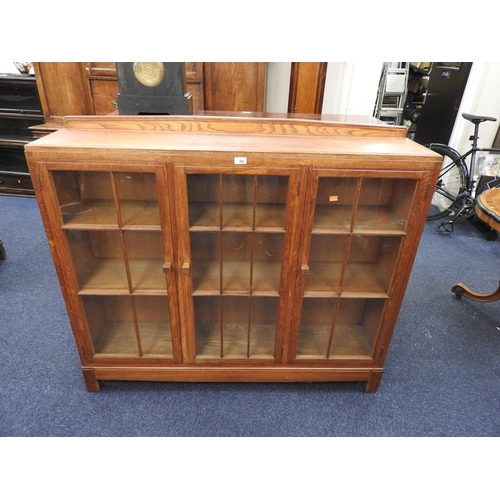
pixel 442 374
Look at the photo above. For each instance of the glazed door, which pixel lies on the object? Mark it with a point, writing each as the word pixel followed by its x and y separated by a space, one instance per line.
pixel 353 240
pixel 236 238
pixel 117 237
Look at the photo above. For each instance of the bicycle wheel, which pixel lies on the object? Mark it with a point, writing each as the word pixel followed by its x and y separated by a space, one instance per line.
pixel 451 182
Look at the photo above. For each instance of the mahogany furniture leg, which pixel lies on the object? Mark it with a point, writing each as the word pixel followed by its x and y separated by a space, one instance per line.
pixel 461 290
pixel 91 381
pixel 372 384
pixel 488 210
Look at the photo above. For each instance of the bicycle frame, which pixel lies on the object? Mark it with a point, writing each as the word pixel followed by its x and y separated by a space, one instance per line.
pixel 472 153
pixel 471 170
pixel 462 201
pixel 471 167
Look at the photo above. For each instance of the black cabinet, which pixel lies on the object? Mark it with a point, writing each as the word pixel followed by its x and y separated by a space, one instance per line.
pixel 19 110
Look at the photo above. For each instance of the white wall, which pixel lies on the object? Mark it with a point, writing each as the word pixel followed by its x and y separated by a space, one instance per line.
pixel 8 67
pixel 277 86
pixel 481 97
pixel 350 87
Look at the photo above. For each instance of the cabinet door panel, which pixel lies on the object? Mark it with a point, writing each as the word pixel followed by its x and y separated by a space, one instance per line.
pixel 357 230
pixel 238 237
pixel 120 246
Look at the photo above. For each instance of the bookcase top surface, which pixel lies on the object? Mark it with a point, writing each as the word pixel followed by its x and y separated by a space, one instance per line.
pixel 229 133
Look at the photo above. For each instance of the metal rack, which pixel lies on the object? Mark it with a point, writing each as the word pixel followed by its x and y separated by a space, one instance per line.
pixel 392 91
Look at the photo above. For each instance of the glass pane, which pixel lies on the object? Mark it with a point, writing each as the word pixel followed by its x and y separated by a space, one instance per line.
pixel 315 327
pixel 267 257
pixel 207 321
pixel 85 198
pixel 356 327
pixel 271 201
pixel 98 260
pixel 251 262
pixel 334 204
pixel 339 327
pixel 384 205
pixel 263 316
pixel 235 320
pixel 114 332
pixel 326 257
pixel 145 259
pixel 138 198
pixel 238 201
pixel 236 261
pixel 371 264
pixel 153 321
pixel 111 323
pixel 205 259
pixel 203 199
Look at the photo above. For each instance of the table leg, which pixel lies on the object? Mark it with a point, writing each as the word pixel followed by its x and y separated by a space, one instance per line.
pixel 461 290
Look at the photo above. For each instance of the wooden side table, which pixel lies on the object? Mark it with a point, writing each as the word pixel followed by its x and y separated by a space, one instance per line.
pixel 488 210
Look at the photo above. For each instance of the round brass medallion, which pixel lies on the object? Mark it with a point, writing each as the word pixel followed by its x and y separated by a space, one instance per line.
pixel 149 74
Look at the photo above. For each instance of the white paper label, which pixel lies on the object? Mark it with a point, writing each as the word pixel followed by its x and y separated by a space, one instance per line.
pixel 240 160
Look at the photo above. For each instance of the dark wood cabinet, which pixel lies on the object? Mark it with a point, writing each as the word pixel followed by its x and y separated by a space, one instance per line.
pixel 90 88
pixel 234 86
pixel 205 248
pixel 64 90
pixel 19 110
pixel 103 86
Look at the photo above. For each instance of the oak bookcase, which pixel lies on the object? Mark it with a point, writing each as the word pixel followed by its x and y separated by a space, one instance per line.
pixel 232 248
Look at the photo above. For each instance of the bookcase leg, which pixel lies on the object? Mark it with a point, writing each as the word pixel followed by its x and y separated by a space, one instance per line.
pixel 90 380
pixel 373 382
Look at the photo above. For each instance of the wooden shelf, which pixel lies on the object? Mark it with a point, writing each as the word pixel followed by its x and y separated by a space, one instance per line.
pixel 369 220
pixel 118 339
pixel 361 280
pixel 235 341
pixel 349 340
pixel 366 280
pixel 239 216
pixel 323 279
pixel 378 220
pixel 331 219
pixel 108 277
pixel 94 214
pixel 236 278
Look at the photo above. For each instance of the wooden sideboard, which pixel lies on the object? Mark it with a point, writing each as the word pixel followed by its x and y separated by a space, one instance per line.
pixel 254 249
